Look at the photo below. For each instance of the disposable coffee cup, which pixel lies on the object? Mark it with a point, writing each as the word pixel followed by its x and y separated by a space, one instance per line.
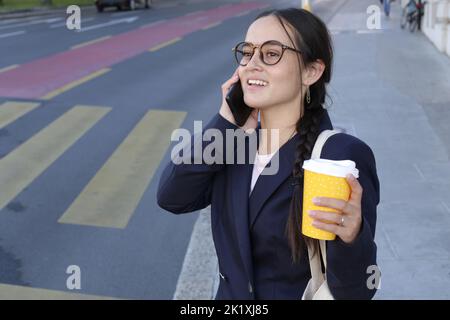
pixel 324 178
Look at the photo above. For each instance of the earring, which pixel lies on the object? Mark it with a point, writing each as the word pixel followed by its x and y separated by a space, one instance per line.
pixel 308 96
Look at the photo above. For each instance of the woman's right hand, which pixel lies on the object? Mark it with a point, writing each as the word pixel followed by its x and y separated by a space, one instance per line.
pixel 225 111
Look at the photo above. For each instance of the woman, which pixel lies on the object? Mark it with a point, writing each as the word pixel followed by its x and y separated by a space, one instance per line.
pixel 260 249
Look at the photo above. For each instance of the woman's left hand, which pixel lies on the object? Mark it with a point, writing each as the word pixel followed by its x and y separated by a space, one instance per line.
pixel 346 223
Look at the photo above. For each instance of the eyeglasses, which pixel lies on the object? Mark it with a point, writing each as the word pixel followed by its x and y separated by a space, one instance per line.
pixel 270 52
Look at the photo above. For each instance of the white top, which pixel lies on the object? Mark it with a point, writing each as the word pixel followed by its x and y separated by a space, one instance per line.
pixel 261 160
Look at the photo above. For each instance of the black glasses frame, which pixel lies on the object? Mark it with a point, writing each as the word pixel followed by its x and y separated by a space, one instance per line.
pixel 283 49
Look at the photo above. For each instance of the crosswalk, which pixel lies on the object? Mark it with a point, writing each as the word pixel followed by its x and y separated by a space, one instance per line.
pixel 114 192
pixel 11 111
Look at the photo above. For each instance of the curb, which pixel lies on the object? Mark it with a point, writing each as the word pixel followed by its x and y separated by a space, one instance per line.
pixel 199 276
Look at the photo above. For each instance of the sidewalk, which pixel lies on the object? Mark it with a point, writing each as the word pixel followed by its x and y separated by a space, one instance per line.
pixel 392 88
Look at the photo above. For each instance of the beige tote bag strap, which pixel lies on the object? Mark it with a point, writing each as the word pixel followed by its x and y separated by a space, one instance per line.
pixel 323 251
pixel 321 139
pixel 314 263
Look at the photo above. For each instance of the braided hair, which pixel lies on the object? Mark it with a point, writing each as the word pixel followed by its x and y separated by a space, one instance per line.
pixel 313 40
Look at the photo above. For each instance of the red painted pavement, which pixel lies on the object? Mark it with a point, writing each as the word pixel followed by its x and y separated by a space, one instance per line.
pixel 37 78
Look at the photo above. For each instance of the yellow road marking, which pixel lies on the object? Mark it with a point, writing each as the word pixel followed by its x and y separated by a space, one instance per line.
pixel 25 163
pixel 75 83
pixel 84 44
pixel 9 68
pixel 12 292
pixel 113 194
pixel 165 44
pixel 10 111
pixel 212 25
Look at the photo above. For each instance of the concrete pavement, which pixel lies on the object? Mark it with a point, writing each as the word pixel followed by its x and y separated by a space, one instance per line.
pixel 393 88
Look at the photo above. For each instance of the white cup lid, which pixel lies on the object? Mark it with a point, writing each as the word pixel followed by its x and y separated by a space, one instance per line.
pixel 337 168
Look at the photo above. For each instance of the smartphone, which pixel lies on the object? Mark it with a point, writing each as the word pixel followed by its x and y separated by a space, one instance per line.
pixel 235 99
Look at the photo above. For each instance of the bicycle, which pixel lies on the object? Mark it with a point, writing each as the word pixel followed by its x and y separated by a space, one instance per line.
pixel 412 14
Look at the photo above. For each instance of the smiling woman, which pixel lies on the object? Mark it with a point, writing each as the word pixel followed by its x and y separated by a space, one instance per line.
pixel 284 67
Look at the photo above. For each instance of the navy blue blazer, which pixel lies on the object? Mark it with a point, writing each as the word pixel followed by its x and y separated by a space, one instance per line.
pixel 249 231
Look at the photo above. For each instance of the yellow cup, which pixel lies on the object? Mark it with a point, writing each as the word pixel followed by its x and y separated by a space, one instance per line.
pixel 324 178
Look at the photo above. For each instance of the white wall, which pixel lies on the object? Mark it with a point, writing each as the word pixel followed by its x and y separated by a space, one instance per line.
pixel 448 28
pixel 436 24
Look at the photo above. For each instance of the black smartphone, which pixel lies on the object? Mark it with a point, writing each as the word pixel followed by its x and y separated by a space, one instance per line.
pixel 235 99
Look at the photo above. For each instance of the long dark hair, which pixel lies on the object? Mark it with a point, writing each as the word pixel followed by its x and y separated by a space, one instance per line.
pixel 313 40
